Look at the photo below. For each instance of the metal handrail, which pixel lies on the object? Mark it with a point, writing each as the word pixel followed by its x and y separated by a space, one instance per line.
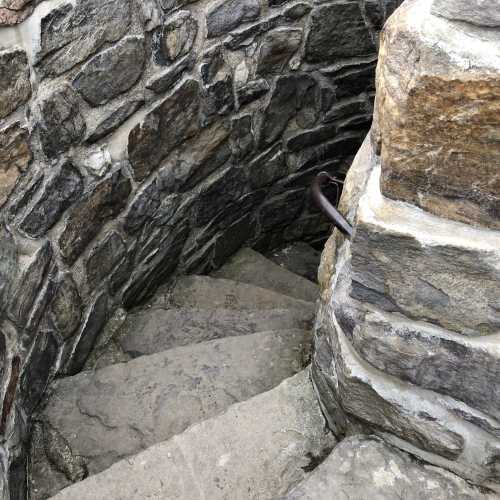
pixel 326 207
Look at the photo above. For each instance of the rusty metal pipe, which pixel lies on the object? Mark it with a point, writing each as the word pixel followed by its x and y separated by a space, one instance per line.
pixel 326 207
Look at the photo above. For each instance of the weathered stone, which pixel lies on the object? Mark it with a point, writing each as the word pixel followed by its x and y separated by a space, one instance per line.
pixel 479 12
pixel 276 50
pixel 268 167
pixel 61 123
pixel 454 275
pixel 143 207
pixel 104 258
pixel 70 34
pixel 415 420
pixel 268 441
pixel 338 31
pixel 168 77
pixel 28 286
pixel 216 192
pixel 9 17
pixel 251 91
pixel 158 266
pixel 242 139
pixel 165 127
pixel 95 319
pixel 15 157
pixel 226 15
pixel 169 5
pixel 112 71
pixel 150 331
pixel 248 266
pixel 66 307
pixel 437 123
pixel 209 151
pixel 114 119
pixel 105 201
pixel 291 95
pixel 281 210
pixel 8 265
pixel 62 188
pixel 299 258
pixel 38 370
pixel 365 468
pixel 15 86
pixel 352 77
pixel 175 38
pixel 465 369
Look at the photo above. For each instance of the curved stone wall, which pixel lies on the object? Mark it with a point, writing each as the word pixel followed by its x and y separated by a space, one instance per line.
pixel 143 138
pixel 408 334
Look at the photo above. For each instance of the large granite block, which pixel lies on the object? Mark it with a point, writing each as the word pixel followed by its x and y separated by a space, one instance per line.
pixel 423 266
pixel 438 114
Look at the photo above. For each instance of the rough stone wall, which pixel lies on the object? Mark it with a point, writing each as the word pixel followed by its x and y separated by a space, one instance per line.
pixel 408 335
pixel 143 138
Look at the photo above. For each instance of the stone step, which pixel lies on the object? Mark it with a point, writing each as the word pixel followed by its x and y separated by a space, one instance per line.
pixel 156 329
pixel 248 266
pixel 364 468
pixel 299 258
pixel 205 292
pixel 94 419
pixel 256 450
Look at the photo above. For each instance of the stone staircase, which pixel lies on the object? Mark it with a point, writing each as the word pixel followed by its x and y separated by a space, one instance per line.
pixel 204 394
pixel 197 386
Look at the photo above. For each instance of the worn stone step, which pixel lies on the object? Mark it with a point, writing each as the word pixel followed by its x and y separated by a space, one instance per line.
pixel 205 292
pixel 251 267
pixel 158 329
pixel 96 418
pixel 256 450
pixel 364 468
pixel 299 258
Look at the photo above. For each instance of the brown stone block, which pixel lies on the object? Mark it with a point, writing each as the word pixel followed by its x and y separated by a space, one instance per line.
pixel 438 115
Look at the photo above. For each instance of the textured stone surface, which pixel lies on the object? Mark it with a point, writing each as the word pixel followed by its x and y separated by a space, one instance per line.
pixel 367 469
pixel 69 34
pixel 276 50
pixel 160 396
pixel 56 195
pixel 61 123
pixel 66 307
pixel 338 31
pixel 157 329
pixel 204 292
pixel 454 275
pixel 256 450
pixel 480 12
pixel 248 266
pixel 112 71
pixel 105 201
pixel 175 38
pixel 15 157
pixel 15 86
pixel 437 123
pixel 227 15
pixel 28 286
pixel 299 258
pixel 170 123
pixel 8 265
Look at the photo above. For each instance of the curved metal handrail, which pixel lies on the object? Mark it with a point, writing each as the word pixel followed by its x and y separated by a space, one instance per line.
pixel 326 207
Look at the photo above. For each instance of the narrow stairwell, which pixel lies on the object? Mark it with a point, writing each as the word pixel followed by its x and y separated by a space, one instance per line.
pixel 212 398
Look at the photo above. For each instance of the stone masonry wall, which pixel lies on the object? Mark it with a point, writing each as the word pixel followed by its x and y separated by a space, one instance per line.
pixel 408 333
pixel 143 138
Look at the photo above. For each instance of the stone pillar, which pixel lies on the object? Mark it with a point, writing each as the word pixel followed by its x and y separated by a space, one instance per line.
pixel 408 335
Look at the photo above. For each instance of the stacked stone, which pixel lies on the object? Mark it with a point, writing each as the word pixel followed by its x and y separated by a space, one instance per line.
pixel 408 338
pixel 139 139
